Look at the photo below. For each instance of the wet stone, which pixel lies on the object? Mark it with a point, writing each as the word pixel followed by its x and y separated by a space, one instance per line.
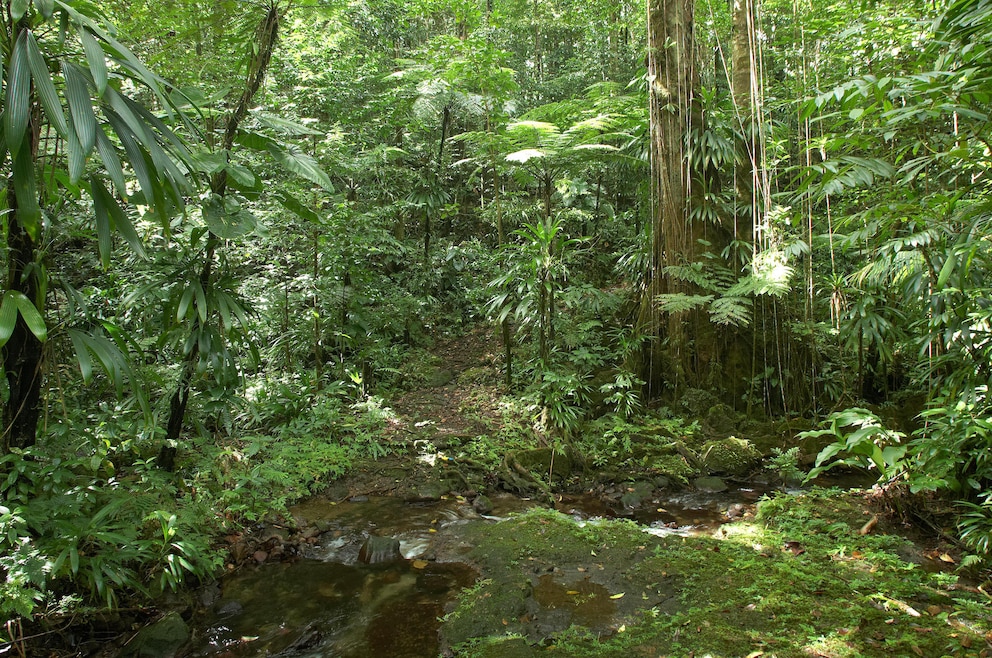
pixel 482 505
pixel 709 484
pixel 379 550
pixel 163 639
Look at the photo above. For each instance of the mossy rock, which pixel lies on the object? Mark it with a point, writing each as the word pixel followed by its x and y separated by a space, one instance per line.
pixel 730 456
pixel 542 461
pixel 720 421
pixel 696 403
pixel 162 639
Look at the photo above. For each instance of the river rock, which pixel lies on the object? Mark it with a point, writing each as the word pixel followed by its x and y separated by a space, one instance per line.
pixel 710 484
pixel 275 534
pixel 482 504
pixel 432 489
pixel 379 550
pixel 163 639
pixel 731 456
pixel 636 494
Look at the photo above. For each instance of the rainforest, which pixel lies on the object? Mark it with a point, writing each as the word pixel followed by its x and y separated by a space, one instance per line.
pixel 483 328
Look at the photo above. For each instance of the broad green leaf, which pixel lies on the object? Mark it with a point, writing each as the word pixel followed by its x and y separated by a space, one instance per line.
pixel 28 210
pixel 137 159
pixel 184 302
pixel 82 355
pixel 77 92
pixel 77 159
pixel 201 304
pixel 30 314
pixel 96 59
pixel 294 205
pixel 255 141
pixel 118 217
pixel 226 218
pixel 111 163
pixel 946 271
pixel 8 317
pixel 46 88
pixel 104 243
pixel 17 104
pixel 46 7
pixel 18 8
pixel 301 164
pixel 243 177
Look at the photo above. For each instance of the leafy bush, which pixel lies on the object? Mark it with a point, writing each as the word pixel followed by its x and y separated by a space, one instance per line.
pixel 862 441
pixel 68 526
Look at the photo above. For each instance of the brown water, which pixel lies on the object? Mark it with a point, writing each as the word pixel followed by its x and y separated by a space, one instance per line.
pixel 329 604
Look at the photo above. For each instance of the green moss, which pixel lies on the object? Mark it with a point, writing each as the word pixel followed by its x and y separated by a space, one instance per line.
pixel 798 580
pixel 674 467
pixel 731 456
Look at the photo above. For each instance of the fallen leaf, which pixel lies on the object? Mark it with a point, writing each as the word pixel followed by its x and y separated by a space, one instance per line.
pixel 419 564
pixel 622 628
pixel 617 596
pixel 755 654
pixel 572 592
pixel 944 557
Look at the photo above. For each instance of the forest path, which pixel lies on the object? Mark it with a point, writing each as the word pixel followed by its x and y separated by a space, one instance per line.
pixel 461 390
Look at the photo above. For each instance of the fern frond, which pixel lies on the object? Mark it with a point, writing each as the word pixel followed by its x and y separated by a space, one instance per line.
pixel 733 311
pixel 679 303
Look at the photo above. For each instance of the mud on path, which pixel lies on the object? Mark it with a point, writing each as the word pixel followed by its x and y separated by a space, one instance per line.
pixel 455 398
pixel 460 392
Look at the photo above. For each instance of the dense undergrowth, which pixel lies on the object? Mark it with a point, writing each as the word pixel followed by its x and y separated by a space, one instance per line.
pixel 108 527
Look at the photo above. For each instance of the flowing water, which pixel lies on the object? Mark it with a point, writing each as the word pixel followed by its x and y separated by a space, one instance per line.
pixel 330 604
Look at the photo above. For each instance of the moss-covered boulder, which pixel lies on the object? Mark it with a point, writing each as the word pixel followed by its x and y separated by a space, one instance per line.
pixel 720 421
pixel 162 639
pixel 730 456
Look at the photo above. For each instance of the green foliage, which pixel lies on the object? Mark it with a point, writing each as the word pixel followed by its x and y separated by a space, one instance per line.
pixel 867 444
pixel 785 464
pixel 71 525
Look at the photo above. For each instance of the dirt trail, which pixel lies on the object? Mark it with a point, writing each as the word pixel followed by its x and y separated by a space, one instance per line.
pixel 464 399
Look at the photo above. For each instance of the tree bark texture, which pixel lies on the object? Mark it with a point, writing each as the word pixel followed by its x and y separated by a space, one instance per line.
pixel 673 80
pixel 744 80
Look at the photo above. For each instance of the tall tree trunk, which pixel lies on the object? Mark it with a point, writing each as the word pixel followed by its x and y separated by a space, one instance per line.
pixel 744 80
pixel 22 355
pixel 265 41
pixel 674 111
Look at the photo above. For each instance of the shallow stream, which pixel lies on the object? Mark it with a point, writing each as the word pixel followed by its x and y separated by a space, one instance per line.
pixel 328 603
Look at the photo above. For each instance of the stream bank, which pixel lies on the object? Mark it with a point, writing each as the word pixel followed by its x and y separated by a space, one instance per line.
pixel 735 573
